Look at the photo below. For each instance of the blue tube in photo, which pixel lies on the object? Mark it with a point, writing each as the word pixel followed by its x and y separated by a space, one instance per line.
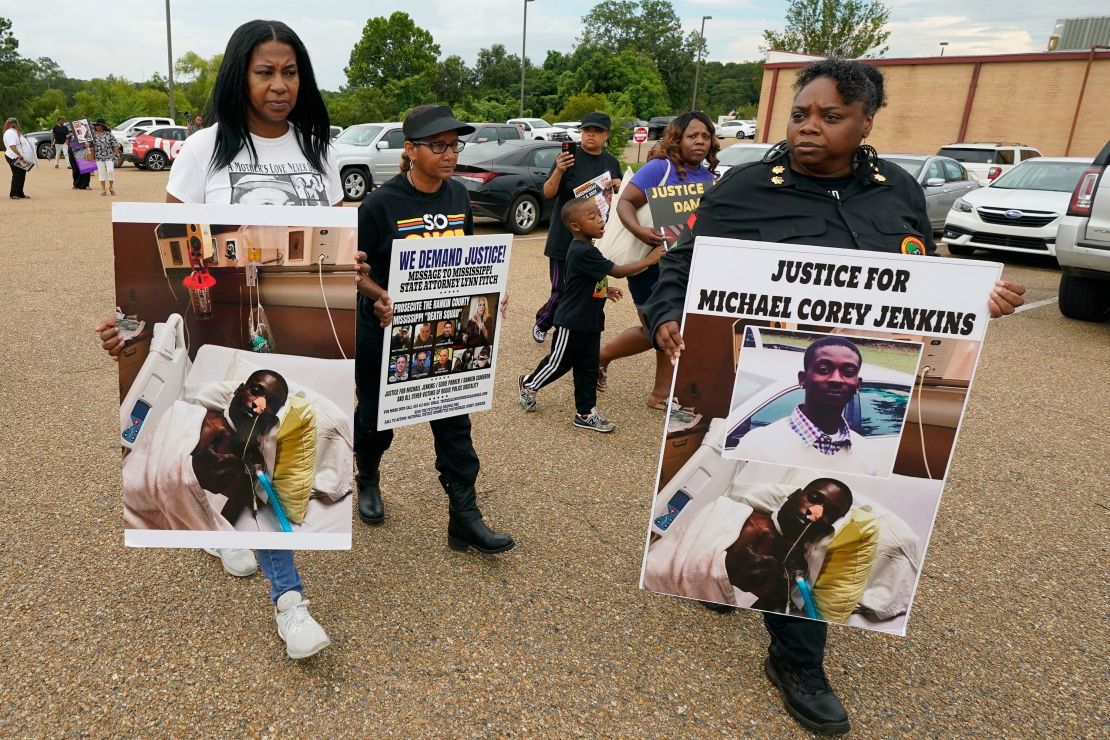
pixel 807 597
pixel 274 501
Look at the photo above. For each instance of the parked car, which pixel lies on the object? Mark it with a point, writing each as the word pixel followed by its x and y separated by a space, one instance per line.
pixel 1018 212
pixel 737 129
pixel 656 125
pixel 1083 245
pixel 573 129
pixel 122 130
pixel 943 179
pixel 498 132
pixel 156 148
pixel 505 181
pixel 537 128
pixel 366 155
pixel 986 161
pixel 43 142
pixel 738 154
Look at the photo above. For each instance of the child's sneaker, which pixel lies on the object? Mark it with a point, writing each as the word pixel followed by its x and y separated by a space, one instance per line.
pixel 594 421
pixel 302 634
pixel 527 395
pixel 538 334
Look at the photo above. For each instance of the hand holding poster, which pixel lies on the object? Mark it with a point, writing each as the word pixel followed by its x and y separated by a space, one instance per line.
pixel 228 444
pixel 600 189
pixel 824 393
pixel 671 206
pixel 440 350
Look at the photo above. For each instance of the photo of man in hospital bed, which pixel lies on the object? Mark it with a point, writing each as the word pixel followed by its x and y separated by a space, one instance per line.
pixel 231 443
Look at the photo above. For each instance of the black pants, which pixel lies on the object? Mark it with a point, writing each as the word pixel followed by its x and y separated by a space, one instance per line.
pixel 577 350
pixel 19 176
pixel 798 642
pixel 557 269
pixel 456 459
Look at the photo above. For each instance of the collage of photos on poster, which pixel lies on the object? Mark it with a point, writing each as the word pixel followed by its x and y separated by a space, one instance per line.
pixel 226 441
pixel 809 482
pixel 455 344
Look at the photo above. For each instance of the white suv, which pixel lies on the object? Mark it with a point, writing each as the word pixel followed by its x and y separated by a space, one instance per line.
pixel 986 161
pixel 1083 245
pixel 537 128
pixel 366 155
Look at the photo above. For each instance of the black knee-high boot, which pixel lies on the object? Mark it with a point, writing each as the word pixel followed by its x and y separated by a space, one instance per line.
pixel 466 528
pixel 370 507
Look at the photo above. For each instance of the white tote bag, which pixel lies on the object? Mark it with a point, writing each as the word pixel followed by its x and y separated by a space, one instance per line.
pixel 619 244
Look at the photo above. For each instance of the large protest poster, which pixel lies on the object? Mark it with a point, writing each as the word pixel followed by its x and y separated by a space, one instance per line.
pixel 819 398
pixel 440 352
pixel 236 398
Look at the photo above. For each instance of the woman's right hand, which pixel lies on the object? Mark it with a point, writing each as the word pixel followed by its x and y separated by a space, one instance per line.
pixel 383 309
pixel 668 339
pixel 564 161
pixel 650 236
pixel 110 339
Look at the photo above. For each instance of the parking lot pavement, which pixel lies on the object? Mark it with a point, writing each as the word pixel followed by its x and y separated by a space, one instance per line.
pixel 1007 636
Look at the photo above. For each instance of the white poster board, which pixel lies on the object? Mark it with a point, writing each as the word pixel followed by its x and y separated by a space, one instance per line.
pixel 820 395
pixel 440 352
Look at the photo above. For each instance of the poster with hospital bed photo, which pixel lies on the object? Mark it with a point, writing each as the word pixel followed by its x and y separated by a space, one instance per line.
pixel 236 387
pixel 803 463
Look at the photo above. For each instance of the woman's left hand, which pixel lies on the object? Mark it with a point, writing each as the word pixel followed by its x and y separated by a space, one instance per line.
pixel 505 305
pixel 1005 297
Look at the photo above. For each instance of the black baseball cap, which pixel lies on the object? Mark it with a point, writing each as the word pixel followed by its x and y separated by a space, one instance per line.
pixel 596 120
pixel 434 120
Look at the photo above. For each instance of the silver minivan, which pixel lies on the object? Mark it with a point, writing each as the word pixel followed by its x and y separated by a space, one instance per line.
pixel 367 154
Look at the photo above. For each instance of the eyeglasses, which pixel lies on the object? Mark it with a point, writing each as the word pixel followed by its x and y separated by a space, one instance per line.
pixel 439 147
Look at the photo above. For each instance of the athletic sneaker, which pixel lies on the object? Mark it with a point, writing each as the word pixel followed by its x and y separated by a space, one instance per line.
pixel 302 634
pixel 239 563
pixel 539 334
pixel 527 395
pixel 594 421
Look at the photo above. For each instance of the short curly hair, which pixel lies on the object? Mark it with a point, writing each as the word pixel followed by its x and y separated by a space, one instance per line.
pixel 854 81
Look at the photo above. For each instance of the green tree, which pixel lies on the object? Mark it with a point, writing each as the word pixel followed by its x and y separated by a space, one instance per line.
pixel 194 78
pixel 581 104
pixel 391 50
pixel 653 28
pixel 47 108
pixel 454 81
pixel 16 74
pixel 497 72
pixel 843 28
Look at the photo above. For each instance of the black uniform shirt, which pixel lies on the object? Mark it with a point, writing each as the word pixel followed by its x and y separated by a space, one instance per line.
pixel 583 306
pixel 397 210
pixel 880 209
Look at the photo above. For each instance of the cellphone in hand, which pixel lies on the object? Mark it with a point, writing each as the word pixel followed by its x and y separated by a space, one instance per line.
pixel 570 147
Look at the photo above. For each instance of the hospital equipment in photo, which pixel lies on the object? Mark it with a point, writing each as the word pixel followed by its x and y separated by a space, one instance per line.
pixel 199 281
pixel 937 355
pixel 158 383
pixel 273 500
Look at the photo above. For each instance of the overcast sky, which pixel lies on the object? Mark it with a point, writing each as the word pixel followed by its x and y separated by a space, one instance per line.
pixel 130 38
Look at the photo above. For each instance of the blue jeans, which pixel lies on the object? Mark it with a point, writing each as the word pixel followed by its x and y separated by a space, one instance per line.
pixel 278 567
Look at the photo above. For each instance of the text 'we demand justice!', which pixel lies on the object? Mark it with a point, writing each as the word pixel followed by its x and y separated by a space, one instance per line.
pixel 436 269
pixel 855 313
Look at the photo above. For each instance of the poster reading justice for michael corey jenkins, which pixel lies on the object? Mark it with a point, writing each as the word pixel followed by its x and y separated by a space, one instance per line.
pixel 821 393
pixel 441 349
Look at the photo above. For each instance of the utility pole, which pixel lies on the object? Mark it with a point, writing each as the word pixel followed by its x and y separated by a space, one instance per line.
pixel 169 56
pixel 523 59
pixel 942 45
pixel 697 67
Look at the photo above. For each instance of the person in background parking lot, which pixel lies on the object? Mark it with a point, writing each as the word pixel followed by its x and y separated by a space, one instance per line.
pixel 58 133
pixel 18 151
pixel 569 172
pixel 104 148
pixel 195 125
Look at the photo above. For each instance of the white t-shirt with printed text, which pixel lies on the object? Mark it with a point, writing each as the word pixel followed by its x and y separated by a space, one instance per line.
pixel 282 174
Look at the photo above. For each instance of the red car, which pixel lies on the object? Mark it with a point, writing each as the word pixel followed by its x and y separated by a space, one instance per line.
pixel 156 148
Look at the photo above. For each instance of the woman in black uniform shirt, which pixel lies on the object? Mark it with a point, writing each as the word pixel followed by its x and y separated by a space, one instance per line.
pixel 424 190
pixel 821 187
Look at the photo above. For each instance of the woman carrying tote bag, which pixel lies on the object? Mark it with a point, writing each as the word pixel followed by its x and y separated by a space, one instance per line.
pixel 689 143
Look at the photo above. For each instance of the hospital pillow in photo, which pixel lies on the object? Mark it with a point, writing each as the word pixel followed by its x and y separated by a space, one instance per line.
pixel 295 466
pixel 847 567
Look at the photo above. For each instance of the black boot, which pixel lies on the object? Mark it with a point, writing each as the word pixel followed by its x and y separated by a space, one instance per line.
pixel 466 528
pixel 370 507
pixel 806 694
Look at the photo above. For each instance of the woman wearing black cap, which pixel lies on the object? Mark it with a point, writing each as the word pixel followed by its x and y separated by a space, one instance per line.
pixel 821 186
pixel 104 148
pixel 423 191
pixel 569 172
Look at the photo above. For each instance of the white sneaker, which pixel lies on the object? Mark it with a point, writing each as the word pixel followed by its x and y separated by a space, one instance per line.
pixel 302 634
pixel 238 563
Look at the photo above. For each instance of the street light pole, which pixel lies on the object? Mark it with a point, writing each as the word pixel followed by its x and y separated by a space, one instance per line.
pixel 169 56
pixel 942 45
pixel 697 67
pixel 523 59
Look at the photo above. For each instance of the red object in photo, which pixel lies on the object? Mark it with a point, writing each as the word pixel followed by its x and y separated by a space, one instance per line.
pixel 199 281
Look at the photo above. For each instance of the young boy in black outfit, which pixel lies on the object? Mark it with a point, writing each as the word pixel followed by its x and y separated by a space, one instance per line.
pixel 580 316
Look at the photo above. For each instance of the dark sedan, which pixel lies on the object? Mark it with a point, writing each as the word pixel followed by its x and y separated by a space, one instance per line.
pixel 506 181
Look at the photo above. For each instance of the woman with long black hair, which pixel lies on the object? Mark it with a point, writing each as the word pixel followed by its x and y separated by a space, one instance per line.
pixel 821 186
pixel 271 126
pixel 687 153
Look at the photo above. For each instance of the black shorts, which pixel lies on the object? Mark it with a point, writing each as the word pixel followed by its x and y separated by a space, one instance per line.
pixel 641 285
